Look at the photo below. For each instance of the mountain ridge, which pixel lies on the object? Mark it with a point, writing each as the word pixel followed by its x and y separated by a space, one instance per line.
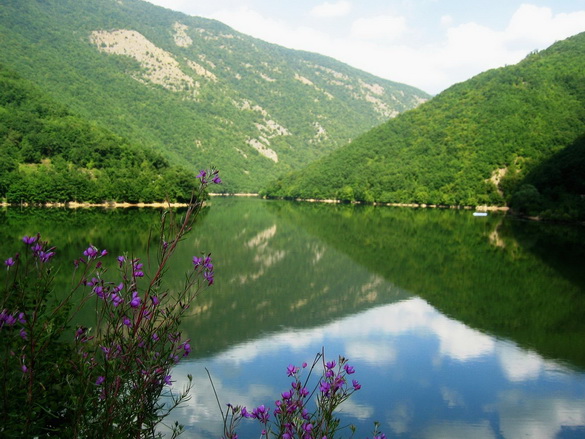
pixel 193 88
pixel 470 145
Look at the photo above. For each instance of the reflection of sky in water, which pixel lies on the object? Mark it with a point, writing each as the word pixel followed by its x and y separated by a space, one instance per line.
pixel 423 376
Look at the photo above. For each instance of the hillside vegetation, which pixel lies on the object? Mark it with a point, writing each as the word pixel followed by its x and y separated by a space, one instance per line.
pixel 49 155
pixel 194 89
pixel 473 144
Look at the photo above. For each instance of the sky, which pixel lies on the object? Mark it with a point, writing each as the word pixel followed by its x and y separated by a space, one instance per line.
pixel 429 44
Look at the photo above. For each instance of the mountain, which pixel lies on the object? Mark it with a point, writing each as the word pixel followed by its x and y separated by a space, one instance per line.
pixel 556 187
pixel 49 155
pixel 192 88
pixel 472 144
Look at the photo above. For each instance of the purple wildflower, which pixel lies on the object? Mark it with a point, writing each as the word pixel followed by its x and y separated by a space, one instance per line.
pixel 208 275
pixel 207 263
pixel 291 370
pixel 9 262
pixel 356 385
pixel 262 414
pixel 339 382
pixel 121 260
pixel 91 252
pixel 127 321
pixel 7 319
pixel 201 176
pixel 29 239
pixel 330 364
pixel 80 331
pixel 100 380
pixel 135 302
pixel 46 256
pixel 246 413
pixel 116 299
pixel 349 369
pixel 197 261
pixel 167 380
pixel 99 291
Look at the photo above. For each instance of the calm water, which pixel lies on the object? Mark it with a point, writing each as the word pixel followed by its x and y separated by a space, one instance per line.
pixel 458 326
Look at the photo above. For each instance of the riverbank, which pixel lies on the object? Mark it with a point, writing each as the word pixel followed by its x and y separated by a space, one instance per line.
pixel 106 205
pixel 159 205
pixel 483 208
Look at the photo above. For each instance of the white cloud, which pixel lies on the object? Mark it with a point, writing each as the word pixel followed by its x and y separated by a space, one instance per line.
pixel 373 353
pixel 339 9
pixel 251 22
pixel 446 20
pixel 537 26
pixel 377 44
pixel 382 27
pixel 519 365
pixel 523 415
pixel 448 430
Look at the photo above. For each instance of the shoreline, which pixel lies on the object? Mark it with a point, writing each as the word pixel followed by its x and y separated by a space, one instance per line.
pixel 481 208
pixel 106 205
pixel 159 204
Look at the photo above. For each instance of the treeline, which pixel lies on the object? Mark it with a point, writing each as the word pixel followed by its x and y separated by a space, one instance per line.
pixel 471 145
pixel 555 189
pixel 49 155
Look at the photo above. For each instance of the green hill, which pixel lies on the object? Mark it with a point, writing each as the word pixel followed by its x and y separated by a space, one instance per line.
pixel 48 154
pixel 555 189
pixel 194 89
pixel 471 145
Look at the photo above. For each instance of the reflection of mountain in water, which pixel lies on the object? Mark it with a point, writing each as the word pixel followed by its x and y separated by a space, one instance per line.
pixel 472 269
pixel 269 273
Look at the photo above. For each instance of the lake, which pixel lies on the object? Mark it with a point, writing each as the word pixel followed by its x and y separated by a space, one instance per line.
pixel 457 326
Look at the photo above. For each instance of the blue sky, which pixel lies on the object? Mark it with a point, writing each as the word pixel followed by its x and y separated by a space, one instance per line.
pixel 430 44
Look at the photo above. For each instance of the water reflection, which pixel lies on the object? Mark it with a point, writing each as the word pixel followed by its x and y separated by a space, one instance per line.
pixel 424 376
pixel 291 278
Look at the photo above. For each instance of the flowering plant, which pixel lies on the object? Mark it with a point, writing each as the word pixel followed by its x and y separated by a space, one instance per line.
pixel 295 415
pixel 111 379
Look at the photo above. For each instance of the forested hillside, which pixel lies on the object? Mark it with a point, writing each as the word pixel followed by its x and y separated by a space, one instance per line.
pixel 47 154
pixel 194 89
pixel 473 144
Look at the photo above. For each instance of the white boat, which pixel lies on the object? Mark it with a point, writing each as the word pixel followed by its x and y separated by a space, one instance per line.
pixel 479 213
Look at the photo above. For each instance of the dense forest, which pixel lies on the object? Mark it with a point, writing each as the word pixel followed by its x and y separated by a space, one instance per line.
pixel 50 155
pixel 495 139
pixel 194 89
